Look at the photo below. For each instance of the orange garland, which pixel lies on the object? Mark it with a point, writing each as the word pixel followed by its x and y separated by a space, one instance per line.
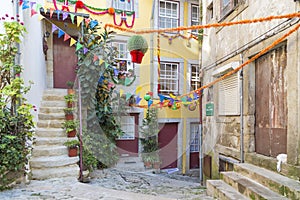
pixel 247 21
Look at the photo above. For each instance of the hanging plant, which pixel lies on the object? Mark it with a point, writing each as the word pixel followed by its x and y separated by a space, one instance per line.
pixel 138 46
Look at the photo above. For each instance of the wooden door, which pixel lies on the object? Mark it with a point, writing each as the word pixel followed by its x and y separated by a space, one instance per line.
pixel 167 139
pixel 64 62
pixel 128 144
pixel 271 103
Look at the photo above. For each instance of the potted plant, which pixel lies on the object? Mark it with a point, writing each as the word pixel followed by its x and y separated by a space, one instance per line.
pixel 147 160
pixel 138 46
pixel 72 147
pixel 70 100
pixel 70 85
pixel 70 126
pixel 69 113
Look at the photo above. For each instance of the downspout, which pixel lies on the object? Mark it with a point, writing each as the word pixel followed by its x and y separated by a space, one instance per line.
pixel 242 111
pixel 152 48
pixel 200 139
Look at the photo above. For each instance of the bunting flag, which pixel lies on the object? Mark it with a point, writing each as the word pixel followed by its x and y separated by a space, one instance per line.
pixel 79 20
pixel 33 12
pixel 95 58
pixel 65 15
pixel 54 28
pixel 138 100
pixel 25 5
pixel 87 21
pixel 85 50
pixel 72 42
pixel 78 46
pixel 32 4
pixel 127 81
pixel 38 7
pixel 116 72
pixel 93 23
pixel 51 12
pixel 161 98
pixel 72 17
pixel 128 95
pixel 58 13
pixel 60 33
pixel 66 37
pixel 41 17
pixel 150 102
pixel 101 61
pixel 121 92
pixel 138 89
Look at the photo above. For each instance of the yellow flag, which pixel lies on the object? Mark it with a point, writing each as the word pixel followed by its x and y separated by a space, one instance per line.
pixel 121 92
pixel 41 17
pixel 72 42
pixel 101 61
pixel 138 89
pixel 79 20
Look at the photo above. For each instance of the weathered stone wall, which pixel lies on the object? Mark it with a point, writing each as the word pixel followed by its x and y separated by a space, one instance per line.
pixel 220 42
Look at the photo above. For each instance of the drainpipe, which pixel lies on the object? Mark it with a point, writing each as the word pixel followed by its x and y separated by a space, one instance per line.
pixel 200 139
pixel 242 110
pixel 152 48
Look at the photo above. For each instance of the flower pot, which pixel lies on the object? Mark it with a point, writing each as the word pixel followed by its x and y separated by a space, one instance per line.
pixel 156 165
pixel 72 151
pixel 147 164
pixel 136 56
pixel 71 91
pixel 71 104
pixel 69 116
pixel 72 133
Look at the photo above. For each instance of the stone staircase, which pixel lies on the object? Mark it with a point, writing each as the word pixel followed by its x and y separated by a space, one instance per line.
pixel 49 156
pixel 128 163
pixel 248 181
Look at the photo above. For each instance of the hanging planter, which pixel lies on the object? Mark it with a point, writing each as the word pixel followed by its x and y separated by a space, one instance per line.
pixel 138 46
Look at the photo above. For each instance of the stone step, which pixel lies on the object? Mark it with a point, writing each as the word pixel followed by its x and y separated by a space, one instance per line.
pixel 278 183
pixel 130 164
pixel 50 132
pixel 52 161
pixel 248 187
pixel 53 150
pixel 50 110
pixel 50 97
pixel 50 123
pixel 55 92
pixel 40 141
pixel 52 116
pixel 53 104
pixel 220 190
pixel 69 171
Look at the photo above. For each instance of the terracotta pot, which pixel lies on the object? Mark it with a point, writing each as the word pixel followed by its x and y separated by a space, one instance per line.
pixel 72 151
pixel 72 133
pixel 71 104
pixel 71 91
pixel 156 165
pixel 136 56
pixel 69 116
pixel 147 165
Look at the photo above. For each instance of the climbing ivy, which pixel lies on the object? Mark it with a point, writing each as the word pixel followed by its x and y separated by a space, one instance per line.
pixel 94 72
pixel 16 120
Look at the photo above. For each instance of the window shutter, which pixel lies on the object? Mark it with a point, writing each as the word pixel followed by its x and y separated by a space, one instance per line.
pixel 229 99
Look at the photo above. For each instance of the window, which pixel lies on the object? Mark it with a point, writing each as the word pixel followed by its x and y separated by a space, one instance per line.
pixel 123 5
pixel 169 78
pixel 227 6
pixel 194 137
pixel 168 14
pixel 210 12
pixel 128 126
pixel 195 19
pixel 124 59
pixel 195 77
pixel 229 100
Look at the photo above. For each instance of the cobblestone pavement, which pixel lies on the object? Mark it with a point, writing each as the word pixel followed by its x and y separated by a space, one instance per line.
pixel 112 184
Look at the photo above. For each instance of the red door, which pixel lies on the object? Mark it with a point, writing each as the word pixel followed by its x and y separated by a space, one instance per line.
pixel 167 139
pixel 64 62
pixel 128 144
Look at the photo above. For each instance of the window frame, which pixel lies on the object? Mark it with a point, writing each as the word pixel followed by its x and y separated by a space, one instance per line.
pixel 176 79
pixel 194 138
pixel 126 58
pixel 227 9
pixel 160 16
pixel 196 66
pixel 198 22
pixel 127 124
pixel 117 4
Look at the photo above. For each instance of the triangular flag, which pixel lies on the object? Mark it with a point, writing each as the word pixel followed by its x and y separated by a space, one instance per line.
pixel 54 28
pixel 79 20
pixel 41 17
pixel 65 15
pixel 101 61
pixel 38 6
pixel 32 4
pixel 128 95
pixel 161 97
pixel 95 58
pixel 121 92
pixel 173 96
pixel 51 12
pixel 184 99
pixel 58 13
pixel 116 72
pixel 72 42
pixel 138 99
pixel 106 65
pixel 60 33
pixel 85 50
pixel 72 17
pixel 127 81
pixel 87 21
pixel 138 89
pixel 25 5
pixel 93 23
pixel 150 102
pixel 78 46
pixel 20 2
pixel 66 37
pixel 33 12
